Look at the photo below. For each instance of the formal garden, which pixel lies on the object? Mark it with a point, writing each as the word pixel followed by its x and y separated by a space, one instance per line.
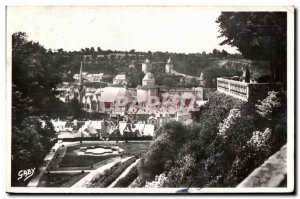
pixel 72 163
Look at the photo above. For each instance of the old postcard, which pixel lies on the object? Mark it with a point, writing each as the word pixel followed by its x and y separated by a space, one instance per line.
pixel 150 99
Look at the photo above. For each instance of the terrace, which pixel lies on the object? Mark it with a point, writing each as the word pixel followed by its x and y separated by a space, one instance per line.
pixel 245 91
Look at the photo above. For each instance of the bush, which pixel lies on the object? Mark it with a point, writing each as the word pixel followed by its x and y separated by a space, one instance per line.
pixel 112 174
pixel 163 150
pixel 128 179
pixel 182 173
pixel 138 182
pixel 158 182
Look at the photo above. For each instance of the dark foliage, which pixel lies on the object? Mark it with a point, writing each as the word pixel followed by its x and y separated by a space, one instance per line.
pixel 113 173
pixel 128 179
pixel 200 157
pixel 258 36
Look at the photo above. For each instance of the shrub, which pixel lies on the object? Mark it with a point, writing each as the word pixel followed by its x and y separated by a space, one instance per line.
pixel 182 173
pixel 138 182
pixel 233 116
pixel 158 182
pixel 128 179
pixel 270 104
pixel 112 174
pixel 163 150
pixel 260 139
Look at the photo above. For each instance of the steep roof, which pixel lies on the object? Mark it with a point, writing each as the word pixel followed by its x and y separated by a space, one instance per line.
pixel 148 76
pixel 111 94
pixel 120 77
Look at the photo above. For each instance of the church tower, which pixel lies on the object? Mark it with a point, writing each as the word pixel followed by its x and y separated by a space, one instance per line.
pixel 169 66
pixel 131 65
pixel 148 80
pixel 146 67
pixel 80 84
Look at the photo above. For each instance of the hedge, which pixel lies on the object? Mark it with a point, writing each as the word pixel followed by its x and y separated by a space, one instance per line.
pixel 113 173
pixel 128 179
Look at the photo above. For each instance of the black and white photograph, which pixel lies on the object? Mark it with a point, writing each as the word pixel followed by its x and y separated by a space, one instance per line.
pixel 150 99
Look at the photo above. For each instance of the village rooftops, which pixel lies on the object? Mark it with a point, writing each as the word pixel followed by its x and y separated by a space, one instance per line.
pixel 144 129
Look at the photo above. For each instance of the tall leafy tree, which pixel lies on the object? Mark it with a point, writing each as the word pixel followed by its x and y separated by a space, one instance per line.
pixel 258 36
pixel 34 77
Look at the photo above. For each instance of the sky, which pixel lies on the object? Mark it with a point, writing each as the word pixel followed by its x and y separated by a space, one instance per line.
pixel 172 29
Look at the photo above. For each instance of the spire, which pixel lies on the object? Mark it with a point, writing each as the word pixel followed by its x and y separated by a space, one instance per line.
pixel 80 74
pixel 169 60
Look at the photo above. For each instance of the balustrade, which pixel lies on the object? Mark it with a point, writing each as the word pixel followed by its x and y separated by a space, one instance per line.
pixel 234 88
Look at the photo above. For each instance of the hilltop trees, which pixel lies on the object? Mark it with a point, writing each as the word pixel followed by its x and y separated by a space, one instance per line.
pixel 219 54
pixel 258 36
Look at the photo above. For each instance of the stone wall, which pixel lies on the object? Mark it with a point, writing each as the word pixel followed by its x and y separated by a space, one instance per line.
pixel 272 173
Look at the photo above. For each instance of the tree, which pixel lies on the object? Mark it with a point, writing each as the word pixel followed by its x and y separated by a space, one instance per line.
pixel 224 53
pixel 60 51
pixel 168 81
pixel 215 52
pixel 99 50
pixel 193 83
pixel 258 36
pixel 35 75
pixel 161 154
pixel 92 50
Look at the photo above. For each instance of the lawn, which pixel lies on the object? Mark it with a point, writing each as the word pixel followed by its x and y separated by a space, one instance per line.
pixel 71 159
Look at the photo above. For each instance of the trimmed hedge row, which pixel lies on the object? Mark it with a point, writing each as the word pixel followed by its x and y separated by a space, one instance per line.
pixel 128 179
pixel 113 173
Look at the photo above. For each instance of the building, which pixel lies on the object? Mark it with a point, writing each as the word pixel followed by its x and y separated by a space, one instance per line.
pixel 115 100
pixel 146 66
pixel 169 66
pixel 201 79
pixel 131 65
pixel 184 117
pixel 94 77
pixel 80 89
pixel 148 80
pixel 120 80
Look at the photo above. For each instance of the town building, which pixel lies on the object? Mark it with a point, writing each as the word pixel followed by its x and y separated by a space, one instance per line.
pixel 169 66
pixel 147 66
pixel 120 79
pixel 115 100
pixel 94 77
pixel 131 65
